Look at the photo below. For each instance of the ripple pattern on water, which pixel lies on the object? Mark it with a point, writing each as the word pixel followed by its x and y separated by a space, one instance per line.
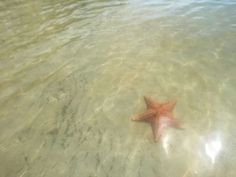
pixel 72 73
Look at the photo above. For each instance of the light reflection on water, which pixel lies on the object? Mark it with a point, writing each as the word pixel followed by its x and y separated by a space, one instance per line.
pixel 213 147
pixel 73 73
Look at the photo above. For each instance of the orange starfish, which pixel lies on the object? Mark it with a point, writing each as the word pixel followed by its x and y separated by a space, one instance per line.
pixel 159 115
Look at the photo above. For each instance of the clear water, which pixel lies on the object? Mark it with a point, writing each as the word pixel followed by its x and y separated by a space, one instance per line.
pixel 72 73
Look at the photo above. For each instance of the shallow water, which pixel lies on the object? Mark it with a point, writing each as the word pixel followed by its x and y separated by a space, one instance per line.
pixel 73 73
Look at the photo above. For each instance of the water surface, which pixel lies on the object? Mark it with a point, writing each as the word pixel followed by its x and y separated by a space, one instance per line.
pixel 72 73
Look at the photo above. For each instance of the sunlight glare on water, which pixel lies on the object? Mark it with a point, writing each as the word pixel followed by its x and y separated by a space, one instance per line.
pixel 73 73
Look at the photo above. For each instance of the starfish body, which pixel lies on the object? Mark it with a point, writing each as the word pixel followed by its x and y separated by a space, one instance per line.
pixel 159 115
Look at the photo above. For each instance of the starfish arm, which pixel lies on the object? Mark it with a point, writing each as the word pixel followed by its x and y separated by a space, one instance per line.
pixel 172 121
pixel 156 129
pixel 145 116
pixel 176 124
pixel 150 103
pixel 169 106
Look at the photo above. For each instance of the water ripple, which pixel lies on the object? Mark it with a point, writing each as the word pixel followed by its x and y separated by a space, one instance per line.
pixel 72 73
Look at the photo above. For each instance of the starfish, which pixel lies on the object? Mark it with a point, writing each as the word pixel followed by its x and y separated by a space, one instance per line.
pixel 159 115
